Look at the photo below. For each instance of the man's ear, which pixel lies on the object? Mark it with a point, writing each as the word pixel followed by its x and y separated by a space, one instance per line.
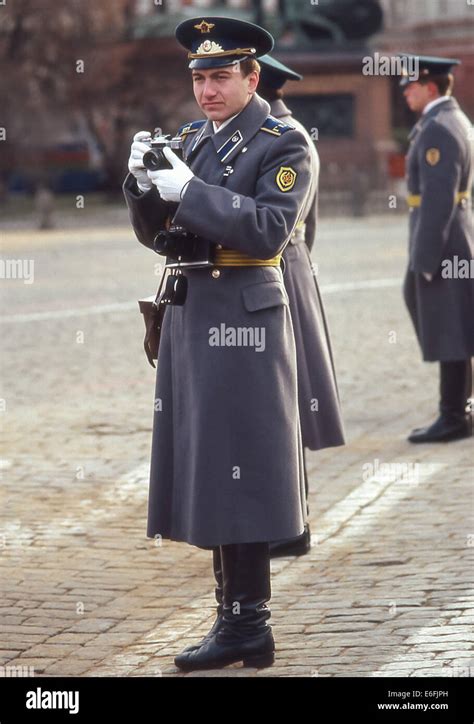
pixel 433 88
pixel 253 77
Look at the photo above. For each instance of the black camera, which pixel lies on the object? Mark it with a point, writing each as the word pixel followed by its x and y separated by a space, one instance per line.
pixel 154 159
pixel 176 243
pixel 183 249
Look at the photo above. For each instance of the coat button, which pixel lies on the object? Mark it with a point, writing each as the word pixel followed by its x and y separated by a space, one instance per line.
pixel 218 246
pixel 216 273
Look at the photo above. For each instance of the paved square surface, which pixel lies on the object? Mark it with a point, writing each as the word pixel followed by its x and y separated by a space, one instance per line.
pixel 387 587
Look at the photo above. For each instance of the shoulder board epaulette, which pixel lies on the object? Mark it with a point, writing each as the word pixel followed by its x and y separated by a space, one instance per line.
pixel 190 127
pixel 275 127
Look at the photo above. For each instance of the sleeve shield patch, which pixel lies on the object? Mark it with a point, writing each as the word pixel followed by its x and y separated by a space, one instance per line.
pixel 285 178
pixel 433 156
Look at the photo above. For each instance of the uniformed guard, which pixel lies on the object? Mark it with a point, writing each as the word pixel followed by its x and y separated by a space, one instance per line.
pixel 226 468
pixel 439 298
pixel 321 424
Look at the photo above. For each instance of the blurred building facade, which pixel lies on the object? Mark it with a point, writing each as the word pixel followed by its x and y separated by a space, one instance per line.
pixel 346 113
pixel 360 123
pixel 434 27
pixel 140 80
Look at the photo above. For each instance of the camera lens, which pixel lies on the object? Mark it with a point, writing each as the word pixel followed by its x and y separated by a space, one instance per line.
pixel 153 160
pixel 161 242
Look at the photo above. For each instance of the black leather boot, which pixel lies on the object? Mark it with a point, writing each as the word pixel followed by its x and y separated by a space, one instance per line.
pixel 219 591
pixel 444 429
pixel 244 634
pixel 301 544
pixel 298 546
pixel 453 423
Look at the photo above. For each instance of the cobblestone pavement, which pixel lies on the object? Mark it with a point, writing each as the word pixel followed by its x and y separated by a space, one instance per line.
pixel 387 587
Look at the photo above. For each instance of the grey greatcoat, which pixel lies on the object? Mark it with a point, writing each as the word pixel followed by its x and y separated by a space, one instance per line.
pixel 439 166
pixel 226 449
pixel 320 416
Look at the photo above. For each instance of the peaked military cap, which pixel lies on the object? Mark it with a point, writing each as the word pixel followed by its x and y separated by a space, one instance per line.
pixel 427 66
pixel 274 74
pixel 215 41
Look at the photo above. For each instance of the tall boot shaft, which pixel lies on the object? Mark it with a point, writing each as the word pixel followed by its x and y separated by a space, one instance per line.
pixel 219 593
pixel 217 565
pixel 246 572
pixel 455 387
pixel 247 589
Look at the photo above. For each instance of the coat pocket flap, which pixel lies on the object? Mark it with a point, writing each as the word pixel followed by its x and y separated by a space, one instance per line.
pixel 264 295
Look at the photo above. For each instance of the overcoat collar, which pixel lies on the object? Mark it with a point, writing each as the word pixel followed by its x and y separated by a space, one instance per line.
pixel 449 105
pixel 239 131
pixel 279 109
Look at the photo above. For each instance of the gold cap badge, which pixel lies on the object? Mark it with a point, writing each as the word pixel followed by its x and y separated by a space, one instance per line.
pixel 205 27
pixel 209 46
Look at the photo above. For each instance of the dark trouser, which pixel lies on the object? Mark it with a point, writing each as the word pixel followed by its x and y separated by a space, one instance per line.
pixel 455 387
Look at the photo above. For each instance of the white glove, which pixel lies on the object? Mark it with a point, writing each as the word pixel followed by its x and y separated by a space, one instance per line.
pixel 172 183
pixel 135 162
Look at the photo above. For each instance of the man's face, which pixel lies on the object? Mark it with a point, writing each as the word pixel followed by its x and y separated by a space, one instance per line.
pixel 223 92
pixel 418 95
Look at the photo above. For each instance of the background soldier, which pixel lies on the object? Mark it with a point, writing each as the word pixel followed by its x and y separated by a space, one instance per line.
pixel 321 424
pixel 439 176
pixel 226 470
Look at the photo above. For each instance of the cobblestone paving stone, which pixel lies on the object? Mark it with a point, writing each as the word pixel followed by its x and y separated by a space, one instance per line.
pixel 387 587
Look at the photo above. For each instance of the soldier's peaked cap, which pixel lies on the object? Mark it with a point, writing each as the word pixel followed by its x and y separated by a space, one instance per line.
pixel 275 74
pixel 428 65
pixel 215 41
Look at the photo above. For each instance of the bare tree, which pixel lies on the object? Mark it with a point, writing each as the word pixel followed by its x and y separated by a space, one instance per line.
pixel 56 63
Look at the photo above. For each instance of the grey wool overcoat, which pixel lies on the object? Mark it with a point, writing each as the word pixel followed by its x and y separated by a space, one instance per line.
pixel 226 449
pixel 441 241
pixel 318 398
